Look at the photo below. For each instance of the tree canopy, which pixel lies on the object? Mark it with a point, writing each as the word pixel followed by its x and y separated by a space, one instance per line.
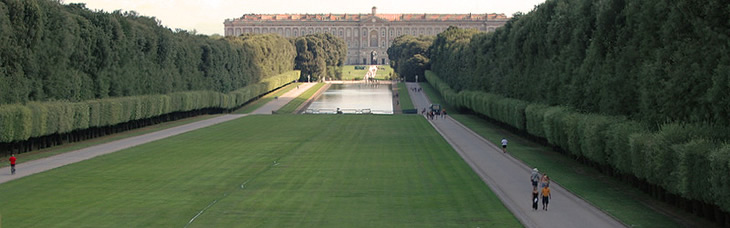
pixel 50 51
pixel 655 61
pixel 637 88
pixel 409 56
pixel 320 55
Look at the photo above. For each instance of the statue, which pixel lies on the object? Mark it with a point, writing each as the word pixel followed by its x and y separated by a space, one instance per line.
pixel 374 57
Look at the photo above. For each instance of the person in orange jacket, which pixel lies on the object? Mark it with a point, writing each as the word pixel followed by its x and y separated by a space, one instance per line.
pixel 546 196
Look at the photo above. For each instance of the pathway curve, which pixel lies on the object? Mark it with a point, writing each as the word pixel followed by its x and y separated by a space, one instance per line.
pixel 509 178
pixel 41 165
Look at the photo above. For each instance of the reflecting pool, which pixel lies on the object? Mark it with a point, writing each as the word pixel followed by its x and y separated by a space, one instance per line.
pixel 354 98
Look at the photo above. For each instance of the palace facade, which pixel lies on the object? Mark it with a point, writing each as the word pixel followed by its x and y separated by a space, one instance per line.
pixel 368 36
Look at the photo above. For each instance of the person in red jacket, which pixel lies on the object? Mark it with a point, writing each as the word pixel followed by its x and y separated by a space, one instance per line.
pixel 12 164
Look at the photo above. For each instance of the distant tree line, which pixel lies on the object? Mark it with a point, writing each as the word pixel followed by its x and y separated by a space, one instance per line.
pixel 319 56
pixel 409 56
pixel 50 51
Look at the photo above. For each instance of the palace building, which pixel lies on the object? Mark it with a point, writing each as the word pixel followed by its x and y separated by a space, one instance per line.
pixel 368 36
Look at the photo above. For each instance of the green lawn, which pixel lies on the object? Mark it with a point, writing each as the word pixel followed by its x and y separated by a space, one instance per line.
pixel 383 74
pixel 404 98
pixel 294 104
pixel 267 171
pixel 624 202
pixel 266 98
pixel 349 72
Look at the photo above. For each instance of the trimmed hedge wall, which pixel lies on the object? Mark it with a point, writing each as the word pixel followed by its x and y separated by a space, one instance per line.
pixel 36 119
pixel 688 160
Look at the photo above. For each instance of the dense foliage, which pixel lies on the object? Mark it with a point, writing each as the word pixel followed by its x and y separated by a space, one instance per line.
pixel 50 51
pixel 655 61
pixel 36 119
pixel 637 88
pixel 65 69
pixel 445 54
pixel 409 56
pixel 320 56
pixel 687 160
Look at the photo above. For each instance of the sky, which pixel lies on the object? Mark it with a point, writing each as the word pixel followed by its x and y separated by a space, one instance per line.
pixel 207 16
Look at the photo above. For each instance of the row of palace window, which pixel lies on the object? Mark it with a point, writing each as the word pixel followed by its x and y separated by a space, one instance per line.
pixel 288 32
pixel 356 60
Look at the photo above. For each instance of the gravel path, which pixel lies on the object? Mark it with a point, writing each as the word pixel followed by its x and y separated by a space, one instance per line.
pixel 41 165
pixel 509 179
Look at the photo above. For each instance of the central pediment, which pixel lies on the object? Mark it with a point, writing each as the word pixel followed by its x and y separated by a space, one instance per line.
pixel 372 19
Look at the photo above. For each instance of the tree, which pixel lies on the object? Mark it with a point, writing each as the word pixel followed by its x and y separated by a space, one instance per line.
pixel 409 56
pixel 319 56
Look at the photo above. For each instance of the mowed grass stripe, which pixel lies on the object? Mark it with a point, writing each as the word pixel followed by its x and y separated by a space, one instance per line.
pixel 404 98
pixel 370 178
pixel 332 171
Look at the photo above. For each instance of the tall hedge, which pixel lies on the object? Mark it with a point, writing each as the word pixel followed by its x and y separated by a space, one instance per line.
pixel 691 173
pixel 719 168
pixel 449 94
pixel 534 114
pixel 685 159
pixel 618 149
pixel 15 122
pixel 553 126
pixel 21 122
pixel 39 112
pixel 593 136
pixel 641 145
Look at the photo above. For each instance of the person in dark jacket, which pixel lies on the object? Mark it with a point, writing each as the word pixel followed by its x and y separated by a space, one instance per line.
pixel 535 195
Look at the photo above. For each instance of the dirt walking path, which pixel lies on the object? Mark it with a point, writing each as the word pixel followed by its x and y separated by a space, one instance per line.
pixel 41 165
pixel 509 178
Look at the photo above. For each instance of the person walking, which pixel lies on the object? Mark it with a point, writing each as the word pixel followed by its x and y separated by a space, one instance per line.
pixel 546 196
pixel 544 180
pixel 535 199
pixel 504 145
pixel 12 164
pixel 534 178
